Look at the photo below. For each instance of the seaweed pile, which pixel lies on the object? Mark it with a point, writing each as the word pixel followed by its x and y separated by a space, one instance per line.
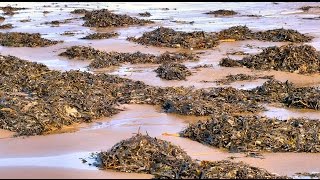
pixel 101 35
pixel 164 160
pixel 53 99
pixel 57 23
pixel 2 18
pixel 306 8
pixel 173 71
pixel 145 14
pixel 8 10
pixel 222 12
pixel 79 11
pixel 167 37
pixel 6 26
pixel 102 59
pixel 240 77
pixel 105 18
pixel 256 133
pixel 302 59
pixel 16 39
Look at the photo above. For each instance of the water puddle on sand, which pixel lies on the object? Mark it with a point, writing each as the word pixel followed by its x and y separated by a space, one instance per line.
pixel 287 113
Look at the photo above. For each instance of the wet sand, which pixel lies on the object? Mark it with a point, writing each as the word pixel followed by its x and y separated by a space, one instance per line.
pixel 51 151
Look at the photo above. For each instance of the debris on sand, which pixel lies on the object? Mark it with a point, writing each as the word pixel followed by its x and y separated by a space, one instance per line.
pixel 164 160
pixel 8 10
pixel 68 33
pixel 46 12
pixel 303 59
pixel 102 59
pixel 255 133
pixel 144 154
pixel 183 22
pixel 222 12
pixel 105 18
pixel 25 20
pixel 79 11
pixel 236 32
pixel 241 53
pixel 228 62
pixel 282 35
pixel 145 14
pixel 57 23
pixel 306 8
pixel 167 37
pixel 101 35
pixel 240 77
pixel 203 66
pixel 309 175
pixel 304 97
pixel 17 39
pixel 2 18
pixel 173 71
pixel 6 26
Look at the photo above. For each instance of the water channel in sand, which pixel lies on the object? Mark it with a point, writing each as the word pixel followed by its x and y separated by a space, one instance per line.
pixel 57 155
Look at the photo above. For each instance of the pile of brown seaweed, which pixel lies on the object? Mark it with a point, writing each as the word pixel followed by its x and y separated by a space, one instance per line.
pixel 6 26
pixel 292 58
pixel 57 23
pixel 101 35
pixel 240 77
pixel 255 133
pixel 167 37
pixel 306 8
pixel 173 71
pixel 222 12
pixel 102 59
pixel 53 99
pixel 105 18
pixel 8 10
pixel 145 14
pixel 79 11
pixel 16 39
pixel 144 154
pixel 2 18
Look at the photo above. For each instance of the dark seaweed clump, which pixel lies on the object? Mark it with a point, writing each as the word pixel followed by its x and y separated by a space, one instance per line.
pixel 173 71
pixel 102 59
pixel 302 59
pixel 164 160
pixel 6 26
pixel 105 18
pixel 222 12
pixel 8 10
pixel 255 133
pixel 145 14
pixel 101 35
pixel 79 11
pixel 240 77
pixel 16 39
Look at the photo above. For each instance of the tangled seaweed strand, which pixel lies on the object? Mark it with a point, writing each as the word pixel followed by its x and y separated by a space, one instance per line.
pixel 166 37
pixel 144 154
pixel 173 71
pixel 105 18
pixel 292 58
pixel 102 59
pixel 101 35
pixel 16 39
pixel 240 77
pixel 255 133
pixel 222 12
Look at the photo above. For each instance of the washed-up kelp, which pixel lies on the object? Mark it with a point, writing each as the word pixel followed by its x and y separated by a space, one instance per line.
pixel 79 11
pixel 309 175
pixel 2 18
pixel 167 37
pixel 228 62
pixel 164 160
pixel 101 35
pixel 145 14
pixel 204 102
pixel 6 26
pixel 25 20
pixel 281 35
pixel 302 59
pixel 8 10
pixel 256 133
pixel 173 71
pixel 275 35
pixel 105 18
pixel 222 12
pixel 103 59
pixel 16 39
pixel 57 23
pixel 305 97
pixel 306 8
pixel 54 98
pixel 144 154
pixel 240 77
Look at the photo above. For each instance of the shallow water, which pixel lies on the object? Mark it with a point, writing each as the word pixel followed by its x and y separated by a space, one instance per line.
pixel 57 155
